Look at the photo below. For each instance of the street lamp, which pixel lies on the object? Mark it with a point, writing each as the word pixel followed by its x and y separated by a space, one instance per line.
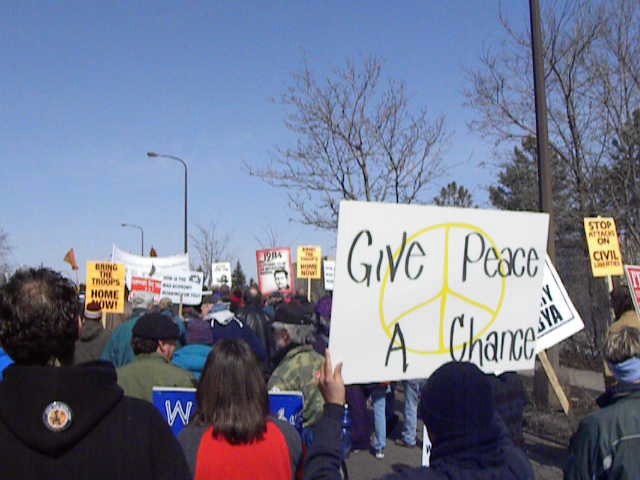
pixel 141 235
pixel 184 164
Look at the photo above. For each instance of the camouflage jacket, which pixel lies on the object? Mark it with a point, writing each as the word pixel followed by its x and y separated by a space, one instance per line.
pixel 297 371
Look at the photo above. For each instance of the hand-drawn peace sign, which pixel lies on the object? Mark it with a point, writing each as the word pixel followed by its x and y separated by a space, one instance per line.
pixel 443 301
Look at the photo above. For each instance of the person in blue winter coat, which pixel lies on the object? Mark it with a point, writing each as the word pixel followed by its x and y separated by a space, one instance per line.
pixel 469 441
pixel 225 324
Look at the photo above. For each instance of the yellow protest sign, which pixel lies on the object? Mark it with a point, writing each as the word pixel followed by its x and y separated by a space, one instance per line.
pixel 105 285
pixel 604 249
pixel 309 262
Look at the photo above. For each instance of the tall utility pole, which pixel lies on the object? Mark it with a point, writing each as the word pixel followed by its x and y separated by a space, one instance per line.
pixel 541 391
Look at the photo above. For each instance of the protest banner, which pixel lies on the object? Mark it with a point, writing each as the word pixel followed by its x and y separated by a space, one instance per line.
pixel 558 318
pixel 329 267
pixel 632 273
pixel 436 284
pixel 153 267
pixel 105 285
pixel 604 249
pixel 177 406
pixel 274 270
pixel 182 287
pixel 145 284
pixel 309 262
pixel 221 274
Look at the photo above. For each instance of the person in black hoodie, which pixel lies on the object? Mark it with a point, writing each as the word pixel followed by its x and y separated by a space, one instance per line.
pixel 71 422
pixel 469 441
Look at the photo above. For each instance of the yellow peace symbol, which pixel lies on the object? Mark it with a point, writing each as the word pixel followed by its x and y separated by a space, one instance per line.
pixel 444 292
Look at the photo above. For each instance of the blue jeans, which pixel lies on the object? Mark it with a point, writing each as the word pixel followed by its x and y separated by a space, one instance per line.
pixel 411 397
pixel 379 417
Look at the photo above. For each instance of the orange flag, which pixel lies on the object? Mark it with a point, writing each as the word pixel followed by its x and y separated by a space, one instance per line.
pixel 70 258
pixel 153 253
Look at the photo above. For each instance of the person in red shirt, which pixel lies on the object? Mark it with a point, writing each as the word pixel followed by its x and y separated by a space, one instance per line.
pixel 232 435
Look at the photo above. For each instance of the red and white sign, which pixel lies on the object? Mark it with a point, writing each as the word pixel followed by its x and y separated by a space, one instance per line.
pixel 633 279
pixel 274 270
pixel 145 284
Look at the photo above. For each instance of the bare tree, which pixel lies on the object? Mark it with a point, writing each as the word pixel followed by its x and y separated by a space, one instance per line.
pixel 591 73
pixel 210 246
pixel 268 237
pixel 357 140
pixel 5 250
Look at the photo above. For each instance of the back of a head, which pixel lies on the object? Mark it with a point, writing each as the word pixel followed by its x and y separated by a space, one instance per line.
pixel 232 394
pixel 252 296
pixel 38 317
pixel 622 345
pixel 621 300
pixel 457 402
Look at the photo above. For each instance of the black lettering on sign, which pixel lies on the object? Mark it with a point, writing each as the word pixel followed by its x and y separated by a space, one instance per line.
pixel 495 347
pixel 397 333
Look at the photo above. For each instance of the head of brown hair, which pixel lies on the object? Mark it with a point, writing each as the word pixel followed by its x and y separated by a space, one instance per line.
pixel 232 394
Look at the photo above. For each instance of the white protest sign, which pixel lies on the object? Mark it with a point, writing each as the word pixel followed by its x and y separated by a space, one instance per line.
pixel 329 267
pixel 558 318
pixel 150 267
pixel 185 287
pixel 221 274
pixel 418 286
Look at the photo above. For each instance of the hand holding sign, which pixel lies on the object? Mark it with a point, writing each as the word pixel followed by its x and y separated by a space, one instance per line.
pixel 330 381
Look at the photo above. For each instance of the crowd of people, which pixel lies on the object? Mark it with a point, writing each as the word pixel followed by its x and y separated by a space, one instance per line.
pixel 75 402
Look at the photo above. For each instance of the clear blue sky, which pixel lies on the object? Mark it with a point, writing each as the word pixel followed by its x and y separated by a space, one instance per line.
pixel 88 87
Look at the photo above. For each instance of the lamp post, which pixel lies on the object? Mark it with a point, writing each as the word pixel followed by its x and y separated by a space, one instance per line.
pixel 131 225
pixel 184 164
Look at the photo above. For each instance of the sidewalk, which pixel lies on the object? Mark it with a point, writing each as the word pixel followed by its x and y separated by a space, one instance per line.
pixel 578 378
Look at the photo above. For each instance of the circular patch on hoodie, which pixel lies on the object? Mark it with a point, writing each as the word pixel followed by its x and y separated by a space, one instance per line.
pixel 57 416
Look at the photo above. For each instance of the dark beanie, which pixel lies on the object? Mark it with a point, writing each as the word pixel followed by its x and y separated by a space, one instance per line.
pixel 156 326
pixel 457 401
pixel 199 332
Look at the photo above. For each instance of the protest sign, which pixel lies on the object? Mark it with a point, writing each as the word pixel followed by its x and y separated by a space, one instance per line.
pixel 287 406
pixel 221 274
pixel 105 285
pixel 145 284
pixel 274 270
pixel 329 273
pixel 633 280
pixel 182 287
pixel 177 406
pixel 308 262
pixel 604 249
pixel 558 318
pixel 436 284
pixel 153 267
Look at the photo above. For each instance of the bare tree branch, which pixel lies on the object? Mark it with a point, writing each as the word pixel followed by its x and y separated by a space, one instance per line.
pixel 210 246
pixel 357 140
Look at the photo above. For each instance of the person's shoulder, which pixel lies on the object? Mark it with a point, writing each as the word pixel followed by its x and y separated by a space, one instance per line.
pixel 415 473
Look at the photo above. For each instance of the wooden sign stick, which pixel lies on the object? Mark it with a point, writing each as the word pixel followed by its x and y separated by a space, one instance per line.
pixel 555 383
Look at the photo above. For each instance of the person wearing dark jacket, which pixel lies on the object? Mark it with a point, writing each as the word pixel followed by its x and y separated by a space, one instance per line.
pixel 93 336
pixel 225 324
pixel 254 317
pixel 72 422
pixel 607 443
pixel 469 441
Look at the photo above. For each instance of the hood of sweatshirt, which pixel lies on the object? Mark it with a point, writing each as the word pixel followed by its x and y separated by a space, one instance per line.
pixel 31 396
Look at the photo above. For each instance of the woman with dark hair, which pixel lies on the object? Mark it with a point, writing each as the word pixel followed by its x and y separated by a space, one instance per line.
pixel 232 436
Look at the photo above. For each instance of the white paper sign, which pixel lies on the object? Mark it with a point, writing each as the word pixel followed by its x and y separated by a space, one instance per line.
pixel 329 274
pixel 185 287
pixel 221 274
pixel 150 267
pixel 418 286
pixel 558 318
